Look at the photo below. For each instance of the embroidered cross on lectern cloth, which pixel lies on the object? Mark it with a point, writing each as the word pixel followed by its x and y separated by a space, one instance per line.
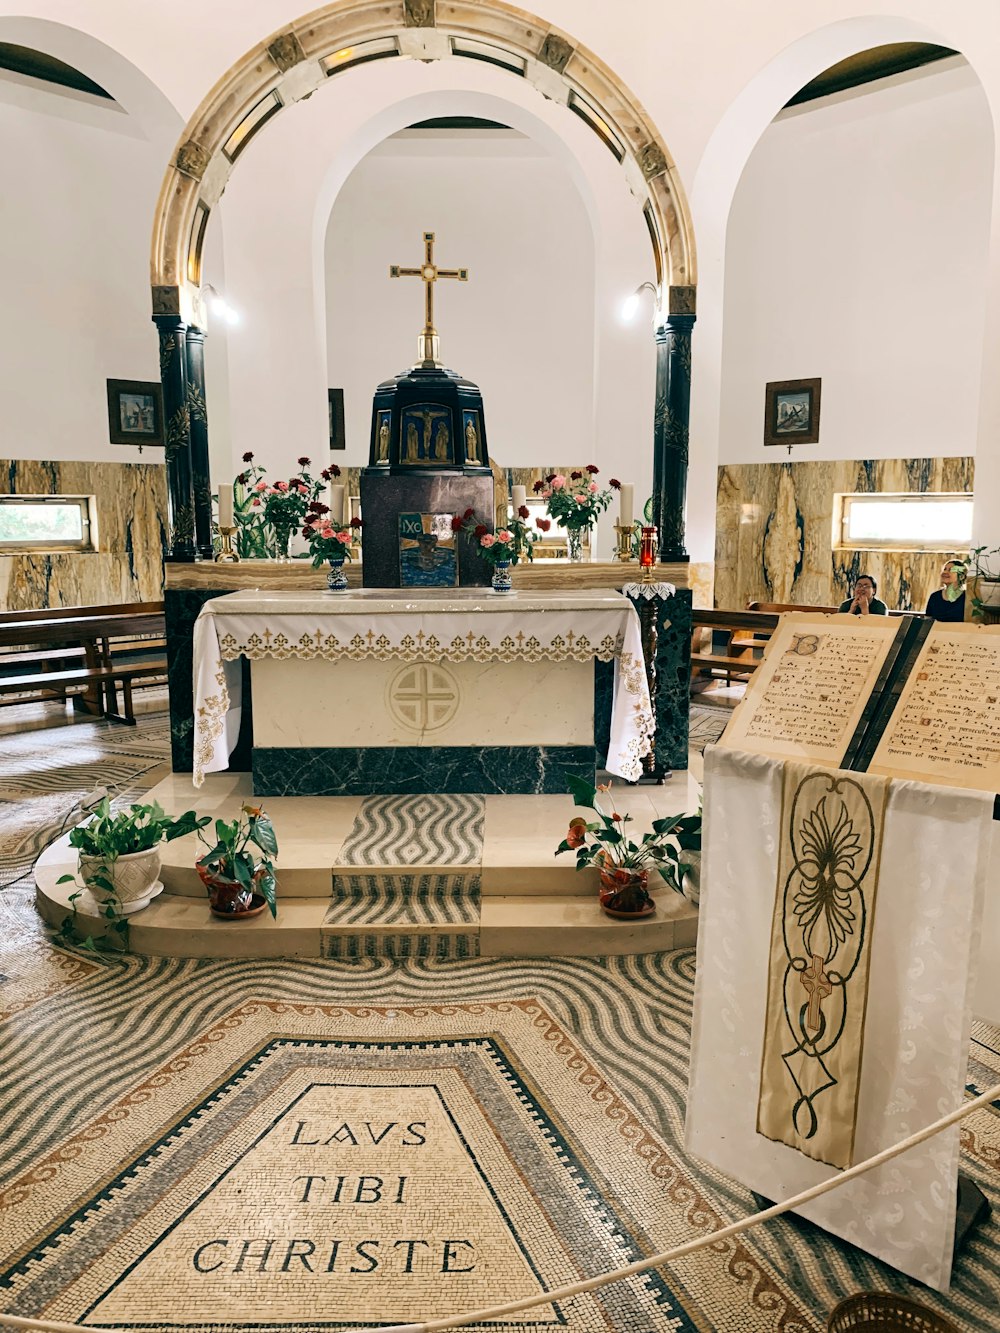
pixel 830 846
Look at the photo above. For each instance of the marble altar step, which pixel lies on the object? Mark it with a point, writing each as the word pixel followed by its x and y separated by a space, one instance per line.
pixel 428 877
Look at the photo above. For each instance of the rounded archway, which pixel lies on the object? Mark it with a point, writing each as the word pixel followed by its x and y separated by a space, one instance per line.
pixel 296 62
pixel 300 58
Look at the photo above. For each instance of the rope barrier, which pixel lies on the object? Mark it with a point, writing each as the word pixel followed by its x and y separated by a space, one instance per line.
pixel 641 1265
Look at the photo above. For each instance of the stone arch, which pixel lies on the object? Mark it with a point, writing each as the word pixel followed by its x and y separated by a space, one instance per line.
pixel 297 60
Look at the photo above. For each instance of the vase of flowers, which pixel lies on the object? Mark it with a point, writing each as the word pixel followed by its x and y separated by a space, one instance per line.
pixel 269 513
pixel 330 543
pixel 501 549
pixel 624 864
pixel 240 883
pixel 576 502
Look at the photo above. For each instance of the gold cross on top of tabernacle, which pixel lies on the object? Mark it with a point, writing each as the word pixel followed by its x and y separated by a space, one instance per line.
pixel 429 273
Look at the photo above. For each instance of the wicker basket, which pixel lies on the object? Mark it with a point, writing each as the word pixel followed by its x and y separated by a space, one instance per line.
pixel 884 1312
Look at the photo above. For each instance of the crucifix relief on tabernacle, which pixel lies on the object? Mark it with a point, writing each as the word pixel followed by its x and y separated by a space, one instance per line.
pixel 428 344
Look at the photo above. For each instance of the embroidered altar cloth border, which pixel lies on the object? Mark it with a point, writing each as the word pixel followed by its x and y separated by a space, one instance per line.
pixel 427 626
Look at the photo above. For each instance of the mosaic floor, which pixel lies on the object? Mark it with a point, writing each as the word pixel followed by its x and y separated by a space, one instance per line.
pixel 317 1144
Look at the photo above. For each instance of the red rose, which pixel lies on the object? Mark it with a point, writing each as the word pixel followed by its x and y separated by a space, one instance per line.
pixel 615 484
pixel 575 476
pixel 469 513
pixel 524 512
pixel 242 479
pixel 538 486
pixel 543 524
pixel 456 523
pixel 592 470
pixel 248 458
pixel 481 530
pixel 304 462
pixel 355 522
pixel 551 477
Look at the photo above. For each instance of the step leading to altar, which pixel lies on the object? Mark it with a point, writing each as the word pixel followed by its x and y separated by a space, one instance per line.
pixel 441 876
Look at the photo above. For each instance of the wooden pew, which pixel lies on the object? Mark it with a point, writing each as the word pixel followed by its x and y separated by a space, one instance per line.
pixel 744 634
pixel 43 653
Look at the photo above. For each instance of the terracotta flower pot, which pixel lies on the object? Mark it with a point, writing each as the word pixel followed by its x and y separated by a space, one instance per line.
pixel 226 899
pixel 624 892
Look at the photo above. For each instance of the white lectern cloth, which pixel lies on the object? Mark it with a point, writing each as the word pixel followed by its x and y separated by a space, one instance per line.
pixel 427 625
pixel 924 945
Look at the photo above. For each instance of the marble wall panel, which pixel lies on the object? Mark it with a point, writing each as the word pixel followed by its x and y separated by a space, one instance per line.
pixel 774 531
pixel 131 503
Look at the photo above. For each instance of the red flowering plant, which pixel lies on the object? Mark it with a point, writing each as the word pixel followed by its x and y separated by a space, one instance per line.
pixel 576 501
pixel 328 541
pixel 513 543
pixel 254 538
pixel 624 863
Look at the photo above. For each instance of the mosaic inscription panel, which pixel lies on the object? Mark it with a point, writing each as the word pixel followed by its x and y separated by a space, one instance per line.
pixel 329 1184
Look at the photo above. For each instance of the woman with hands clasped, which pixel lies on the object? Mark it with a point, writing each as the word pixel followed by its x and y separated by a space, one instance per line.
pixel 863 601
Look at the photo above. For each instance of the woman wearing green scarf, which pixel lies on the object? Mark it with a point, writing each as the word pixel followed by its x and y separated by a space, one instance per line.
pixel 948 603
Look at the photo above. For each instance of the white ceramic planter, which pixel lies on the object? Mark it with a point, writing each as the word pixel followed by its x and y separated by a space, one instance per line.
pixel 691 882
pixel 989 592
pixel 136 877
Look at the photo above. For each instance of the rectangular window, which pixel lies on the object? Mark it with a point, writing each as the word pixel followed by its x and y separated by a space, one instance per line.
pixel 927 521
pixel 46 523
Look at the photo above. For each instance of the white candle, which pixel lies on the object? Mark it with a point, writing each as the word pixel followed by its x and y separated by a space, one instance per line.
pixel 337 503
pixel 519 497
pixel 627 504
pixel 225 505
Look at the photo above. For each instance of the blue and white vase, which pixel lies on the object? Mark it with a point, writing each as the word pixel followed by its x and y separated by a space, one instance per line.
pixel 501 577
pixel 336 580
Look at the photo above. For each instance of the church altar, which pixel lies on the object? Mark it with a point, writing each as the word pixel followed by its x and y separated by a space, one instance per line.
pixel 384 690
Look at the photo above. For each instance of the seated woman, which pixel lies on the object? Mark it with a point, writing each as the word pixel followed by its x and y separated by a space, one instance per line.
pixel 863 602
pixel 948 603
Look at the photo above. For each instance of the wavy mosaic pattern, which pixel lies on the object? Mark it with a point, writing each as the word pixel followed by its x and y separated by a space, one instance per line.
pixel 432 830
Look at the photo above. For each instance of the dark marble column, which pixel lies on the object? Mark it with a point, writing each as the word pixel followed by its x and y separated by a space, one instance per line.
pixel 198 425
pixel 177 436
pixel 670 427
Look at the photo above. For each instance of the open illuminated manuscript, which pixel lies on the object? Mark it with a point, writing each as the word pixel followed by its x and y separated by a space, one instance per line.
pixel 945 727
pixel 814 693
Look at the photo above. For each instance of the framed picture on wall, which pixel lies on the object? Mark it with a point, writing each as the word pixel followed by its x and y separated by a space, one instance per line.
pixel 791 412
pixel 135 412
pixel 338 438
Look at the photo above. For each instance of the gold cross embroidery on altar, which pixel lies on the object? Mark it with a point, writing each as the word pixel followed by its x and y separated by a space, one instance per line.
pixel 429 344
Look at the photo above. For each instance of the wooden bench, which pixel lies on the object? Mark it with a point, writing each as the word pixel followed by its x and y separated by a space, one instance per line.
pixel 739 655
pixel 93 647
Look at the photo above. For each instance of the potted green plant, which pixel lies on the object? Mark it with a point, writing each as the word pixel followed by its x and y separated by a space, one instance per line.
pixel 119 853
pixel 239 882
pixel 624 864
pixel 982 570
pixel 682 870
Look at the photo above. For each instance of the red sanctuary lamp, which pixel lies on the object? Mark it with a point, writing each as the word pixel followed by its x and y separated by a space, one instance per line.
pixel 647 554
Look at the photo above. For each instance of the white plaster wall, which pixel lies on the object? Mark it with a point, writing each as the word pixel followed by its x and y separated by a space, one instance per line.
pixel 80 184
pixel 856 252
pixel 522 328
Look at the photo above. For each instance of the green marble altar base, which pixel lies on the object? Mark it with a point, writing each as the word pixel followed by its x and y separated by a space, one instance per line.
pixel 407 770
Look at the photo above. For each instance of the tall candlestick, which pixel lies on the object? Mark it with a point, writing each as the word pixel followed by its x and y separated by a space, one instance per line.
pixel 225 505
pixel 519 496
pixel 337 503
pixel 627 504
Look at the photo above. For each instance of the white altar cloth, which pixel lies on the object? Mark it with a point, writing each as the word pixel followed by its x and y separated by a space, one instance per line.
pixel 422 625
pixel 935 847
